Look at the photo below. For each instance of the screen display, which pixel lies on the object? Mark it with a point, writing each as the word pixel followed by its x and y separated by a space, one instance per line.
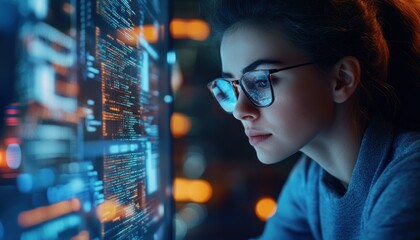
pixel 85 143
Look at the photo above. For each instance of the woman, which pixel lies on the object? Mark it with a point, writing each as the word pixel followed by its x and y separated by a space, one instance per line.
pixel 337 80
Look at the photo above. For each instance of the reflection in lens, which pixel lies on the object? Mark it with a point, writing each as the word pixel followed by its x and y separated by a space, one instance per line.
pixel 257 85
pixel 265 101
pixel 225 94
pixel 261 97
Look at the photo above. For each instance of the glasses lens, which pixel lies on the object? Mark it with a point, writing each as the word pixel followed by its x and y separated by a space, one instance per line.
pixel 258 87
pixel 224 93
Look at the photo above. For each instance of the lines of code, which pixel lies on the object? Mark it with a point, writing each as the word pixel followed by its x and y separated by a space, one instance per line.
pixel 82 142
pixel 122 190
pixel 128 120
pixel 121 90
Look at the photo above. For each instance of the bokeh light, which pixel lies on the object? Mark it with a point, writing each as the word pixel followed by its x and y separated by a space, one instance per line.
pixel 42 214
pixel 13 156
pixel 265 208
pixel 176 77
pixel 195 29
pixel 199 191
pixel 180 125
pixel 194 164
pixel 24 182
pixel 193 214
pixel 68 8
pixel 1 159
pixel 181 227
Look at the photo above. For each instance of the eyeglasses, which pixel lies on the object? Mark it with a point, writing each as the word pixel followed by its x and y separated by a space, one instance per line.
pixel 255 84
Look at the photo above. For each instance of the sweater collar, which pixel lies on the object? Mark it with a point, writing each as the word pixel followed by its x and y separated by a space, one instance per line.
pixel 374 149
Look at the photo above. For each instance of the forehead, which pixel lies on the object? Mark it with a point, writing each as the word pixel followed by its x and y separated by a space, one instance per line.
pixel 246 44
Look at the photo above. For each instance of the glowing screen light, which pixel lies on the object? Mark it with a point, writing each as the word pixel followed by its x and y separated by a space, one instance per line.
pixel 13 156
pixel 40 7
pixel 86 141
pixel 171 57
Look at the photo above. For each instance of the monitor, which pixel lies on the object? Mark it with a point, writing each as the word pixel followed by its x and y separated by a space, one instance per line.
pixel 85 146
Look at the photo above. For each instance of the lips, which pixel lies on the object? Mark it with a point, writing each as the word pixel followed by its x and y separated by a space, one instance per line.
pixel 256 137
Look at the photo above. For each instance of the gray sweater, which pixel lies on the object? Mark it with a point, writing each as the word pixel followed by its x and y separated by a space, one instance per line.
pixel 382 200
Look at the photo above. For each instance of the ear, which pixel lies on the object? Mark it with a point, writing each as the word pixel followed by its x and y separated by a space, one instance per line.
pixel 346 78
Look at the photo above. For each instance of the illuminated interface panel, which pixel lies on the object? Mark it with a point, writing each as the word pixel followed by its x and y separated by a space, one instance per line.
pixel 84 152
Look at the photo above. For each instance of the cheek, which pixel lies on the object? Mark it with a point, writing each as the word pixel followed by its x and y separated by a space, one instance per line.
pixel 304 107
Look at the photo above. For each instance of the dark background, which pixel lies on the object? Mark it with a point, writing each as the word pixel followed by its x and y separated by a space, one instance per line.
pixel 237 178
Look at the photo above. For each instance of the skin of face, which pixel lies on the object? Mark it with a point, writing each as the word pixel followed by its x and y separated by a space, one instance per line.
pixel 303 107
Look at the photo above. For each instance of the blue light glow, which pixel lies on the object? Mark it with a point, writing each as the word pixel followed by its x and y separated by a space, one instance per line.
pixel 87 207
pixel 171 57
pixel 168 98
pixel 24 182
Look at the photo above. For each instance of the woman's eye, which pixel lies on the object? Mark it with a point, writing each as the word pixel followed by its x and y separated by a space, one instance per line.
pixel 261 83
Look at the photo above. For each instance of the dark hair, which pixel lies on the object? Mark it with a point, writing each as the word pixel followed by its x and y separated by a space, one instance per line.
pixel 384 35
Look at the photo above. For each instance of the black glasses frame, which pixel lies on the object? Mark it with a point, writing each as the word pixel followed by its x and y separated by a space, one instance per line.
pixel 235 82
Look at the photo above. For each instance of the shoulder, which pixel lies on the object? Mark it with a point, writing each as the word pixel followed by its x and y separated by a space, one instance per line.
pixel 399 152
pixel 406 144
pixel 402 162
pixel 393 205
pixel 404 157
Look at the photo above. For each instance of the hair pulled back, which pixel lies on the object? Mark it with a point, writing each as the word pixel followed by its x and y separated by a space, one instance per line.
pixel 384 35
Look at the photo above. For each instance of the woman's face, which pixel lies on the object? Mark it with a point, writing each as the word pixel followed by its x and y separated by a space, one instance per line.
pixel 303 105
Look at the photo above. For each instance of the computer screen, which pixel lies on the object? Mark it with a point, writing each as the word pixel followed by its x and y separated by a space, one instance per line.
pixel 85 140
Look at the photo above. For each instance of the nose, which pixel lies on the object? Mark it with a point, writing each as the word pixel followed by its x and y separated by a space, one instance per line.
pixel 244 109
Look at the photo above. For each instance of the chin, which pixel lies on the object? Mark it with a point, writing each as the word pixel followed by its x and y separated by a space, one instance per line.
pixel 273 158
pixel 268 159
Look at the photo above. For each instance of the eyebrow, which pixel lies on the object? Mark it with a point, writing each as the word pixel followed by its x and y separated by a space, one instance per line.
pixel 253 66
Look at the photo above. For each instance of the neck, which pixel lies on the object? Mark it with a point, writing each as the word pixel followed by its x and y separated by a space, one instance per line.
pixel 336 148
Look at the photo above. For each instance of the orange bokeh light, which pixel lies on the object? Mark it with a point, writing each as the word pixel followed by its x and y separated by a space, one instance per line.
pixel 199 191
pixel 68 8
pixel 265 208
pixel 150 33
pixel 42 214
pixel 130 36
pixel 176 77
pixel 195 29
pixel 180 125
pixel 2 164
